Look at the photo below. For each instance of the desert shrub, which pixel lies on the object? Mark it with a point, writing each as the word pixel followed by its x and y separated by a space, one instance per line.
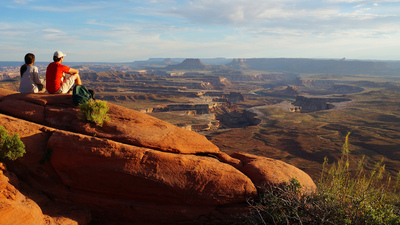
pixel 359 196
pixel 281 204
pixel 95 111
pixel 11 146
pixel 342 197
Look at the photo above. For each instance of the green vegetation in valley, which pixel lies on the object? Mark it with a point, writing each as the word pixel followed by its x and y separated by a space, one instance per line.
pixel 94 111
pixel 11 146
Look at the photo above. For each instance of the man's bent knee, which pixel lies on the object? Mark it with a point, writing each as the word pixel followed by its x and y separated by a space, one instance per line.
pixel 77 79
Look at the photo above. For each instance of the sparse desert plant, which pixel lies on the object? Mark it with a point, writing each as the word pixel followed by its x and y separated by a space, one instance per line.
pixel 95 111
pixel 11 146
pixel 360 196
pixel 281 204
pixel 342 197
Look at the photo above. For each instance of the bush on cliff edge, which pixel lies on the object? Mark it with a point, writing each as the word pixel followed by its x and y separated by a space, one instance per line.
pixel 343 196
pixel 94 111
pixel 11 146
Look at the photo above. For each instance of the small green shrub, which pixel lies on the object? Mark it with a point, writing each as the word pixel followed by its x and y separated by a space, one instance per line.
pixel 94 111
pixel 11 146
pixel 343 196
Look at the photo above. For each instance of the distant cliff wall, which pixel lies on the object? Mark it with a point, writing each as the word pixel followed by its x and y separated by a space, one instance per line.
pixel 301 65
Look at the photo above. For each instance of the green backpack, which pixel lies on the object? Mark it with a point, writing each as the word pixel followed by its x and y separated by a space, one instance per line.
pixel 81 94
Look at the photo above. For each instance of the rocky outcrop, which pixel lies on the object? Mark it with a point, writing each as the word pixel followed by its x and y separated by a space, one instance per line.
pixel 327 87
pixel 126 126
pixel 262 170
pixel 238 64
pixel 197 108
pixel 230 116
pixel 15 208
pixel 234 97
pixel 239 76
pixel 188 64
pixel 288 92
pixel 134 169
pixel 316 104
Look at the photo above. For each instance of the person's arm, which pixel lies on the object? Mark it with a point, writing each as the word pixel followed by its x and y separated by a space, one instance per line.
pixel 73 71
pixel 37 78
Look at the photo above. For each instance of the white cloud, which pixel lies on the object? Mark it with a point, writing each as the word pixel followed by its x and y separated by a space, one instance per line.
pixel 361 1
pixel 53 34
pixel 233 12
pixel 289 15
pixel 243 13
pixel 135 29
pixel 22 2
pixel 95 22
pixel 74 7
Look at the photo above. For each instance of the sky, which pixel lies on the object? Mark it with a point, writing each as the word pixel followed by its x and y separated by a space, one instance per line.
pixel 130 30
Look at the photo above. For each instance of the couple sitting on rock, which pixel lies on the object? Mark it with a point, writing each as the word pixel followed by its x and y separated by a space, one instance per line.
pixel 59 78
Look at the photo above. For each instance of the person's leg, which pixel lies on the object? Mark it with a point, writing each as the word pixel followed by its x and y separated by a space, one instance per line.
pixel 69 82
pixel 78 79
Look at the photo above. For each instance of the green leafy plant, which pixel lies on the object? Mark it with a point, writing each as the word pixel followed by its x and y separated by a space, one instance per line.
pixel 343 196
pixel 94 111
pixel 11 146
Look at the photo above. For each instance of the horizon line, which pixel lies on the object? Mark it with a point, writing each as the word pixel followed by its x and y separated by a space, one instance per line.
pixel 110 62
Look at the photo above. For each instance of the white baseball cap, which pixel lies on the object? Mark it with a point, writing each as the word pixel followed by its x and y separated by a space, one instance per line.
pixel 59 54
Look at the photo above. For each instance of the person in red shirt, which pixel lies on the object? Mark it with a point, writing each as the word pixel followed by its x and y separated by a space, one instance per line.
pixel 60 78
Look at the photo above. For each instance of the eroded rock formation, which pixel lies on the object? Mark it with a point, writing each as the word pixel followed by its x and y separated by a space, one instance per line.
pixel 188 64
pixel 15 208
pixel 288 92
pixel 134 169
pixel 307 104
pixel 18 209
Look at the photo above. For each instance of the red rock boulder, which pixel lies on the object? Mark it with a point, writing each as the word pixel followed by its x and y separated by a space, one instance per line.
pixel 134 169
pixel 15 208
pixel 266 171
pixel 125 125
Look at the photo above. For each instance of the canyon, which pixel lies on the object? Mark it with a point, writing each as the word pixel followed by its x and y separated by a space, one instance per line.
pixel 286 109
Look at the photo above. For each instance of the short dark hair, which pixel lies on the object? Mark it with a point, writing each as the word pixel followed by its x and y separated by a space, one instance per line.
pixel 56 59
pixel 29 58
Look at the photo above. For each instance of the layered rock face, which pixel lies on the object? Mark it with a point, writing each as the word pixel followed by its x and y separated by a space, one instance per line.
pixel 15 208
pixel 134 169
pixel 18 209
pixel 316 104
pixel 189 64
